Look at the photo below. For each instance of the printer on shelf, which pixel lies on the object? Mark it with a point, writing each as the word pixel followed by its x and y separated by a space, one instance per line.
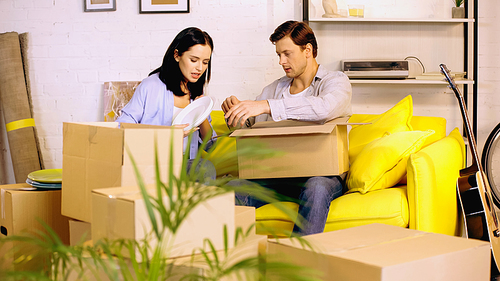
pixel 380 69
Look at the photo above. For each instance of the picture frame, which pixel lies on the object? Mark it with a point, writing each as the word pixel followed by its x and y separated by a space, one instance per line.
pixel 163 6
pixel 99 5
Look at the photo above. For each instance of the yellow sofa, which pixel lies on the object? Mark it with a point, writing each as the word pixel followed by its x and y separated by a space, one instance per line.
pixel 424 200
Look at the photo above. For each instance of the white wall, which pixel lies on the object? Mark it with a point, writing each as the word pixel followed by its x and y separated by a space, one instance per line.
pixel 72 53
pixel 489 69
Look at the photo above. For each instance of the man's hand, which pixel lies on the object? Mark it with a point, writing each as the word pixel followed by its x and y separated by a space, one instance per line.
pixel 242 110
pixel 229 102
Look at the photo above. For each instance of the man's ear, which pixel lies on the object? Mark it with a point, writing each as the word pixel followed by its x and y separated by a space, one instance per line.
pixel 309 50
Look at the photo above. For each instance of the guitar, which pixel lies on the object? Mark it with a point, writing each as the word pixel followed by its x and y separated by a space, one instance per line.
pixel 478 210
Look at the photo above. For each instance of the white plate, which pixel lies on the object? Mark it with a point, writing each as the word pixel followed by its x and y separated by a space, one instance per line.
pixel 195 113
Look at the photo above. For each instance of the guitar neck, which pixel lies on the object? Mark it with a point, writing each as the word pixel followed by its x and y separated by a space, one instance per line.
pixel 476 163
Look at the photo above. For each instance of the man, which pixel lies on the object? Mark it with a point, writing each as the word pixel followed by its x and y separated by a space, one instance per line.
pixel 308 92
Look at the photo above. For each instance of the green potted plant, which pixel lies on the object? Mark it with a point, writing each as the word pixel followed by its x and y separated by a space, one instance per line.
pixel 458 11
pixel 104 259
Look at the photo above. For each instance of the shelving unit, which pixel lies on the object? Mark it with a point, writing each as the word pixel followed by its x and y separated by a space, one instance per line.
pixel 390 20
pixel 408 81
pixel 469 84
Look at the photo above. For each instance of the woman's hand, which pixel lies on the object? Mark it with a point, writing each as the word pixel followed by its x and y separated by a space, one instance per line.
pixel 186 132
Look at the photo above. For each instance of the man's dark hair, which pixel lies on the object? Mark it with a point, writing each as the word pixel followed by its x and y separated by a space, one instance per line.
pixel 300 33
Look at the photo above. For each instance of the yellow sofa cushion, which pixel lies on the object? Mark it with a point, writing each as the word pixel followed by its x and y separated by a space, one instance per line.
pixel 432 177
pixel 271 220
pixel 224 155
pixel 387 206
pixel 424 123
pixel 382 163
pixel 396 119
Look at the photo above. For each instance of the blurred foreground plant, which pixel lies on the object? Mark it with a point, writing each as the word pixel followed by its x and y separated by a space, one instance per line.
pixel 104 260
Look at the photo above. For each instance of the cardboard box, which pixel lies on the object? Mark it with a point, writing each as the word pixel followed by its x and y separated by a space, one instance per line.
pixel 308 149
pixel 252 247
pixel 20 211
pixel 96 155
pixel 121 213
pixel 79 232
pixel 244 217
pixel 388 253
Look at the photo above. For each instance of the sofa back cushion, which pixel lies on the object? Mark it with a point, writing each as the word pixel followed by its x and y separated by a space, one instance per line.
pixel 417 123
pixel 382 162
pixel 224 155
pixel 396 119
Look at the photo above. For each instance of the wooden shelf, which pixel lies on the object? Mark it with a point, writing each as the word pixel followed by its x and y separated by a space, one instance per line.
pixel 415 20
pixel 408 81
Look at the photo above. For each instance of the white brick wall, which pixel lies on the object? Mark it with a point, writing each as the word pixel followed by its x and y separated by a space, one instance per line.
pixel 72 53
pixel 489 69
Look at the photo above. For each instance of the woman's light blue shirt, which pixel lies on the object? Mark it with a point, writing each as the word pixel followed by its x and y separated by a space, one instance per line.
pixel 153 104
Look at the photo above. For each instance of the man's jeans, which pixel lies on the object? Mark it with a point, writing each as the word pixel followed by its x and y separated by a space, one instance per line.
pixel 313 195
pixel 204 166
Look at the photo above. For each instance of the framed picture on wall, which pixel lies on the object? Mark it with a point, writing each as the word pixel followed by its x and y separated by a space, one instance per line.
pixel 99 5
pixel 163 6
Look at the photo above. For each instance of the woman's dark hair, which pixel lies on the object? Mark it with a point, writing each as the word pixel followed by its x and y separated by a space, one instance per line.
pixel 300 33
pixel 169 71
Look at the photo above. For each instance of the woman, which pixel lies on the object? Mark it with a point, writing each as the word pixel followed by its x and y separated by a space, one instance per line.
pixel 171 87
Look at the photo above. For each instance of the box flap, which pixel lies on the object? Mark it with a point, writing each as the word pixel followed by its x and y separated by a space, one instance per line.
pixel 289 127
pixel 123 192
pixel 17 186
pixel 84 139
pixel 353 238
pixel 100 124
pixel 365 243
pixel 409 249
pixel 141 126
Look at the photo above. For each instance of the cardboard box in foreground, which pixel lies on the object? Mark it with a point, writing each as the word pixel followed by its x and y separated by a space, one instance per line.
pixel 95 156
pixel 21 211
pixel 251 248
pixel 388 253
pixel 121 213
pixel 307 149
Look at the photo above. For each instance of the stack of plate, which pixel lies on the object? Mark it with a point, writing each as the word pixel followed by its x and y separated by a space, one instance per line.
pixel 45 179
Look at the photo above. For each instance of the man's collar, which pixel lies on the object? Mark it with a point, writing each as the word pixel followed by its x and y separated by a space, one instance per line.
pixel 319 74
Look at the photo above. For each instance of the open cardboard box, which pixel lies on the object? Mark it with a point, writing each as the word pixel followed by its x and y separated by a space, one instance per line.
pixel 120 213
pixel 381 252
pixel 96 155
pixel 306 149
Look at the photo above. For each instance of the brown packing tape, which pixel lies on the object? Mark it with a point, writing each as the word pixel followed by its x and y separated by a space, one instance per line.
pixel 15 103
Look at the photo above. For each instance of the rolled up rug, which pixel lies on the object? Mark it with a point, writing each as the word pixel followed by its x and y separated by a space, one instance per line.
pixel 16 108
